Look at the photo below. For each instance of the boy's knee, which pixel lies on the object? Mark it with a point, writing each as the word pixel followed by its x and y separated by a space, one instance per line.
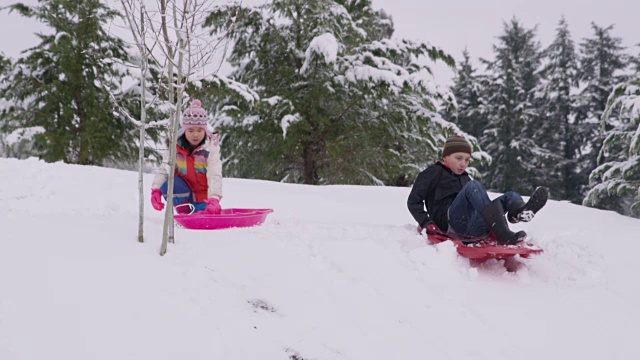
pixel 513 196
pixel 475 185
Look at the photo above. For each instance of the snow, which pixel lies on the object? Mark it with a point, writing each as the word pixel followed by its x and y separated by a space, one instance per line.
pixel 250 120
pixel 23 134
pixel 288 120
pixel 325 45
pixel 273 101
pixel 336 272
pixel 60 35
pixel 242 90
pixel 631 101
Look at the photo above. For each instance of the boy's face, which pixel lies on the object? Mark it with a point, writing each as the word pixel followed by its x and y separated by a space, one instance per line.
pixel 457 162
pixel 195 135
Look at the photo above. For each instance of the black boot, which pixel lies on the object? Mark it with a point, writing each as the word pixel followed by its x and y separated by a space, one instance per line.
pixel 493 215
pixel 525 212
pixel 516 208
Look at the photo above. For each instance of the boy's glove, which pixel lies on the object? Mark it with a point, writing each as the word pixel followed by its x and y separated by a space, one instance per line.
pixel 213 206
pixel 431 228
pixel 156 199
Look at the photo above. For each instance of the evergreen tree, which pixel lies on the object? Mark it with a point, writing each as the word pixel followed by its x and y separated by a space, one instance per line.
pixel 557 129
pixel 5 64
pixel 467 90
pixel 636 65
pixel 341 102
pixel 512 114
pixel 601 62
pixel 615 183
pixel 59 85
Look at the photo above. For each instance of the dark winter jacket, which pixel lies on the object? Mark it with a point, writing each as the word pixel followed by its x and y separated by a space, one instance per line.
pixel 436 187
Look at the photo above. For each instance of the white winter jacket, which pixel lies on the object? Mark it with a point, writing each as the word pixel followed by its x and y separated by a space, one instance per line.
pixel 214 167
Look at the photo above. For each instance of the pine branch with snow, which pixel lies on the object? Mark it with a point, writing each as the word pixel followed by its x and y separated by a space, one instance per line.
pixel 615 183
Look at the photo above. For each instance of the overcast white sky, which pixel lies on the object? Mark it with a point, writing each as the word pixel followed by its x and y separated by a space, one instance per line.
pixel 451 25
pixel 475 24
pixel 454 25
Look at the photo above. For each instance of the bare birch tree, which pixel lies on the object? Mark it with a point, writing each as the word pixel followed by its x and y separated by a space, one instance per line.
pixel 171 34
pixel 134 15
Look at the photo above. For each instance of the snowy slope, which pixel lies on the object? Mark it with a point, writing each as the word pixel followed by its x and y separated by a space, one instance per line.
pixel 336 272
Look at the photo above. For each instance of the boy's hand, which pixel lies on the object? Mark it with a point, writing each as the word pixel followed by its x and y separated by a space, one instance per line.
pixel 430 228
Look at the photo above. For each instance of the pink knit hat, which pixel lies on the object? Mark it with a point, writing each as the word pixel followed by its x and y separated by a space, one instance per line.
pixel 194 117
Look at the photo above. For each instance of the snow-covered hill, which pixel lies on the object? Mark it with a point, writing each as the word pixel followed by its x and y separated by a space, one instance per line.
pixel 336 272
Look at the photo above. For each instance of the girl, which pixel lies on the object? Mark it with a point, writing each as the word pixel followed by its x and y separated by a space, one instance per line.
pixel 198 172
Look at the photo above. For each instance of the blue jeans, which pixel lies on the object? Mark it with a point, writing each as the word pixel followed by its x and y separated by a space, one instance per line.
pixel 464 212
pixel 182 193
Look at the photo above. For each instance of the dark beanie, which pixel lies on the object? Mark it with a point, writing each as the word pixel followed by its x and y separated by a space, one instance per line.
pixel 454 144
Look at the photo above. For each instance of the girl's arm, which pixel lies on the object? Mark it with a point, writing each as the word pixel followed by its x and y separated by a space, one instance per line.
pixel 162 172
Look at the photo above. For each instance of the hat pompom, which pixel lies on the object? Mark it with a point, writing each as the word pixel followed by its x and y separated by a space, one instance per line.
pixel 196 103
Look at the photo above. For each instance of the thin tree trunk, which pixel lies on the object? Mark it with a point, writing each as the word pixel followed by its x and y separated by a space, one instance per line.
pixel 143 119
pixel 183 20
pixel 175 97
pixel 168 216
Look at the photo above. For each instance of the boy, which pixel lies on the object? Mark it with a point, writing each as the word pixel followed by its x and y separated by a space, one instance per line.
pixel 459 205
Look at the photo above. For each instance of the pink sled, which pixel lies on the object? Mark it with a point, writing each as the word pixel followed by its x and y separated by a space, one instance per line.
pixel 229 218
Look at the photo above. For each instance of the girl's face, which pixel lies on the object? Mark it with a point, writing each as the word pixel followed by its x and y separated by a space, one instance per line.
pixel 195 135
pixel 457 162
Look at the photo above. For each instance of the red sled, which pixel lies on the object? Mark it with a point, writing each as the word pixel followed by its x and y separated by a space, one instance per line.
pixel 481 248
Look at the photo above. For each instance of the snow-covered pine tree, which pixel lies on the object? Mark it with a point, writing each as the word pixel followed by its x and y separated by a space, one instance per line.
pixel 512 113
pixel 635 62
pixel 601 63
pixel 5 64
pixel 615 183
pixel 55 85
pixel 557 129
pixel 468 92
pixel 341 102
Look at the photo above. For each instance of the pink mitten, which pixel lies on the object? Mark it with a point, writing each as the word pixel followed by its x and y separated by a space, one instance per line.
pixel 156 199
pixel 213 206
